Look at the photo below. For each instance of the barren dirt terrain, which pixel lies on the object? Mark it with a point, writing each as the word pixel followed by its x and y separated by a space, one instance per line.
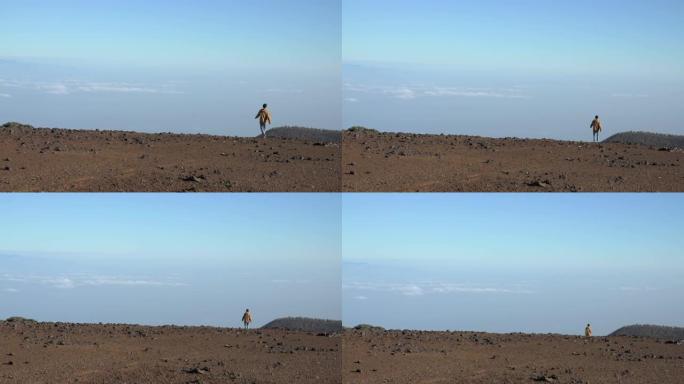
pixel 463 357
pixel 78 353
pixel 389 162
pixel 38 159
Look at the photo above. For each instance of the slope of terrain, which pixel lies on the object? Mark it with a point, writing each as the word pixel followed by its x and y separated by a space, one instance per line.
pixel 647 138
pixel 402 162
pixel 374 356
pixel 42 159
pixel 34 353
pixel 652 331
pixel 305 324
pixel 303 133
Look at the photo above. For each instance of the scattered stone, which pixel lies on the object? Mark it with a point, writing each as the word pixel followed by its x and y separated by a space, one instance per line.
pixel 195 179
pixel 197 371
pixel 545 378
pixel 539 183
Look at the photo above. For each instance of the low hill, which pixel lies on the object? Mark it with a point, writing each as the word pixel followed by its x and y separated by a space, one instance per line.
pixel 369 327
pixel 305 324
pixel 303 133
pixel 651 331
pixel 648 138
pixel 362 129
pixel 14 128
pixel 19 319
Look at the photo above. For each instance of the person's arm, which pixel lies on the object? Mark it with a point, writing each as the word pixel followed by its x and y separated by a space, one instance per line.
pixel 268 117
pixel 258 114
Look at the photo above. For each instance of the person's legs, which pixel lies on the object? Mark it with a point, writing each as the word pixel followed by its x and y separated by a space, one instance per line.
pixel 263 129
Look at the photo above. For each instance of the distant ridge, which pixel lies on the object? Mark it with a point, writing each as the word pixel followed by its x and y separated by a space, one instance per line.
pixel 285 132
pixel 14 128
pixel 305 324
pixel 359 128
pixel 651 331
pixel 303 133
pixel 369 327
pixel 647 138
pixel 19 319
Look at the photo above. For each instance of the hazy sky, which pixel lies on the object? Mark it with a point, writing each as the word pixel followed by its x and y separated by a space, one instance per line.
pixel 170 259
pixel 512 262
pixel 513 68
pixel 530 68
pixel 200 66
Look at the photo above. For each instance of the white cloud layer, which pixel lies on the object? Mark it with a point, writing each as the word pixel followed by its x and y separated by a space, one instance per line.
pixel 75 281
pixel 630 95
pixel 425 288
pixel 282 90
pixel 638 289
pixel 74 86
pixel 413 92
pixel 288 281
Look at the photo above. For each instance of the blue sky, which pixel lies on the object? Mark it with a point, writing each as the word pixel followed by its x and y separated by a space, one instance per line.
pixel 530 68
pixel 512 262
pixel 513 68
pixel 164 258
pixel 170 65
pixel 485 262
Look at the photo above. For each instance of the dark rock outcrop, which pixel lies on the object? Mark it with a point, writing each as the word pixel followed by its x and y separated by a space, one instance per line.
pixel 647 138
pixel 305 324
pixel 651 331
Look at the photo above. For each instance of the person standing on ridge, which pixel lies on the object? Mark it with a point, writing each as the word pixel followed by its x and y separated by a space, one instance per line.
pixel 596 128
pixel 246 318
pixel 264 117
pixel 587 331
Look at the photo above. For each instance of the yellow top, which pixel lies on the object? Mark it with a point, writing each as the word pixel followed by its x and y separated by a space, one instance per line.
pixel 264 116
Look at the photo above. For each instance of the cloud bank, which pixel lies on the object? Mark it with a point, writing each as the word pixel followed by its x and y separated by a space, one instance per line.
pixel 79 280
pixel 413 92
pixel 426 288
pixel 74 86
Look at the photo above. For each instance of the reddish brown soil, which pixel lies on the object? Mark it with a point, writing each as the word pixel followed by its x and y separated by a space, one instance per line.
pixel 388 162
pixel 460 357
pixel 78 353
pixel 33 159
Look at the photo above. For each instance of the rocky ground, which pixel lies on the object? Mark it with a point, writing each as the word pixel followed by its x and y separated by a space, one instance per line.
pixel 41 159
pixel 389 162
pixel 463 357
pixel 79 353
